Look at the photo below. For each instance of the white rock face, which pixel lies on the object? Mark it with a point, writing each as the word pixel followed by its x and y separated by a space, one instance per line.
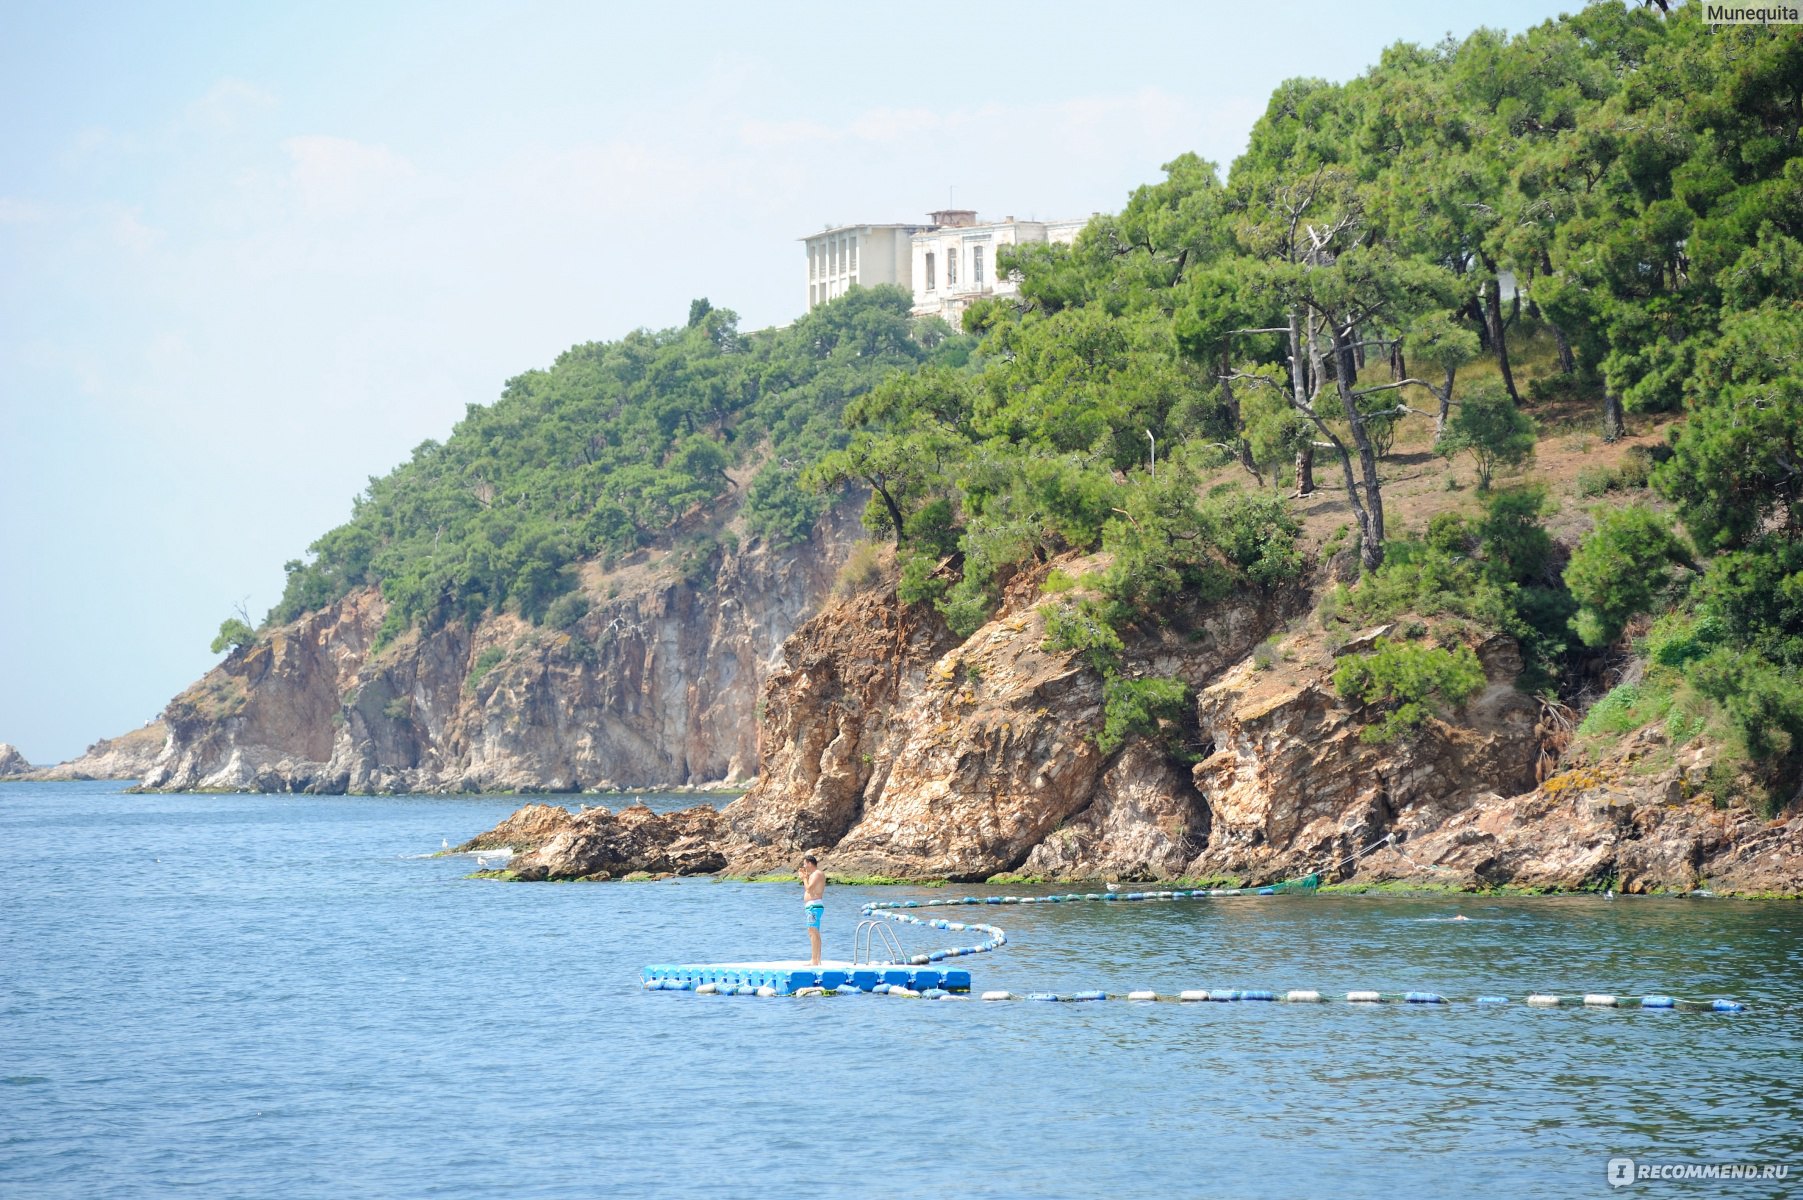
pixel 655 687
pixel 11 761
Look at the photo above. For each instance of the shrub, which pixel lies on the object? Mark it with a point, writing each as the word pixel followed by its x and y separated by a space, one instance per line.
pixel 778 509
pixel 1450 533
pixel 1636 469
pixel 1084 627
pixel 918 584
pixel 1265 655
pixel 1140 706
pixel 1594 481
pixel 1402 679
pixel 1487 425
pixel 485 662
pixel 932 528
pixel 581 650
pixel 1057 582
pixel 1620 570
pixel 234 634
pixel 698 559
pixel 1763 700
pixel 1516 546
pixel 1167 543
pixel 566 610
pixel 965 607
pixel 1417 578
pixel 863 570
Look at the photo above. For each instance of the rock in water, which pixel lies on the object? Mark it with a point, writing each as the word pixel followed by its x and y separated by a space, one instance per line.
pixel 11 761
pixel 599 844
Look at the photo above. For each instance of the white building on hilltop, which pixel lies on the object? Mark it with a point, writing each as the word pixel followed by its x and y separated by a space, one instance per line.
pixel 947 264
pixel 868 255
pixel 954 261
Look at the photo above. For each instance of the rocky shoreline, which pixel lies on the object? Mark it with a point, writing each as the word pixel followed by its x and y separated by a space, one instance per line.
pixel 897 752
pixel 128 757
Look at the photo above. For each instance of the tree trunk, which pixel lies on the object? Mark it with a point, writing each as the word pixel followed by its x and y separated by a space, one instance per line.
pixel 1475 312
pixel 1305 471
pixel 1299 381
pixel 1493 303
pixel 1613 426
pixel 1371 513
pixel 1567 363
pixel 1445 396
pixel 1399 366
pixel 895 513
pixel 1232 403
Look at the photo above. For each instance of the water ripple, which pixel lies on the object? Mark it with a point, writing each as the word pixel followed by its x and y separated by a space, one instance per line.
pixel 292 1001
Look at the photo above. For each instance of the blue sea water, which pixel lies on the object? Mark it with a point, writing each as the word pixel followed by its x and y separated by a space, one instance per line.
pixel 262 995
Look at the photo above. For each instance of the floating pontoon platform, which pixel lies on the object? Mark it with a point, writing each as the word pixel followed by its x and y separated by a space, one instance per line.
pixel 787 978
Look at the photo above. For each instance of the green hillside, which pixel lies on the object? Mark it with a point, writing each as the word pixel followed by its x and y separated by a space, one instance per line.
pixel 609 449
pixel 1471 251
pixel 1340 297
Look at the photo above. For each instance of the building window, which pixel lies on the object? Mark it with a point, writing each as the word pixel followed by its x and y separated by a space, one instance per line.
pixel 854 254
pixel 976 265
pixel 813 262
pixel 930 283
pixel 951 267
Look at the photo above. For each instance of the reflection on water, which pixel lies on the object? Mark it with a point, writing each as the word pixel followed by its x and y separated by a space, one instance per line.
pixel 240 995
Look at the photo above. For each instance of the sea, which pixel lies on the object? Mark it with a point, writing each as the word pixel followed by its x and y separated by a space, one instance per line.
pixel 298 996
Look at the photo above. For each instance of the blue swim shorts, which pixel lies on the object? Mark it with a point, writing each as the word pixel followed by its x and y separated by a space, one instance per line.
pixel 816 910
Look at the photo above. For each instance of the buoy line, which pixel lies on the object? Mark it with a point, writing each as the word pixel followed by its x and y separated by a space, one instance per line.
pixel 896 979
pixel 995 938
pixel 998 938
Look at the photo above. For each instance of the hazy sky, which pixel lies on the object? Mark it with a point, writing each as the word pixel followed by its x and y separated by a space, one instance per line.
pixel 251 254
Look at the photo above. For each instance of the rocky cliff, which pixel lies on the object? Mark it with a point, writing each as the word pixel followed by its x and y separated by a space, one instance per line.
pixel 908 752
pixel 898 750
pixel 656 685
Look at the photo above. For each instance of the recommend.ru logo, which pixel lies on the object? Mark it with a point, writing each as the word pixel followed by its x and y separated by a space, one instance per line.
pixel 1624 1171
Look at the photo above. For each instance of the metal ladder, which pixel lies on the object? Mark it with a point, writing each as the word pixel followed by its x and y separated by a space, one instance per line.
pixel 863 943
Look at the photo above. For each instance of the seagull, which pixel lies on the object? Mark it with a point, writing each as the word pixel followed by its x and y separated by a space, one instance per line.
pixel 444 843
pixel 1113 887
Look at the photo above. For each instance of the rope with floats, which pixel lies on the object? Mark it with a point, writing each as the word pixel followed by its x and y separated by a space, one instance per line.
pixel 711 981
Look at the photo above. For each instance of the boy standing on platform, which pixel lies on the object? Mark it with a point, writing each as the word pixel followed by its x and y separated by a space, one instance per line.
pixel 813 897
